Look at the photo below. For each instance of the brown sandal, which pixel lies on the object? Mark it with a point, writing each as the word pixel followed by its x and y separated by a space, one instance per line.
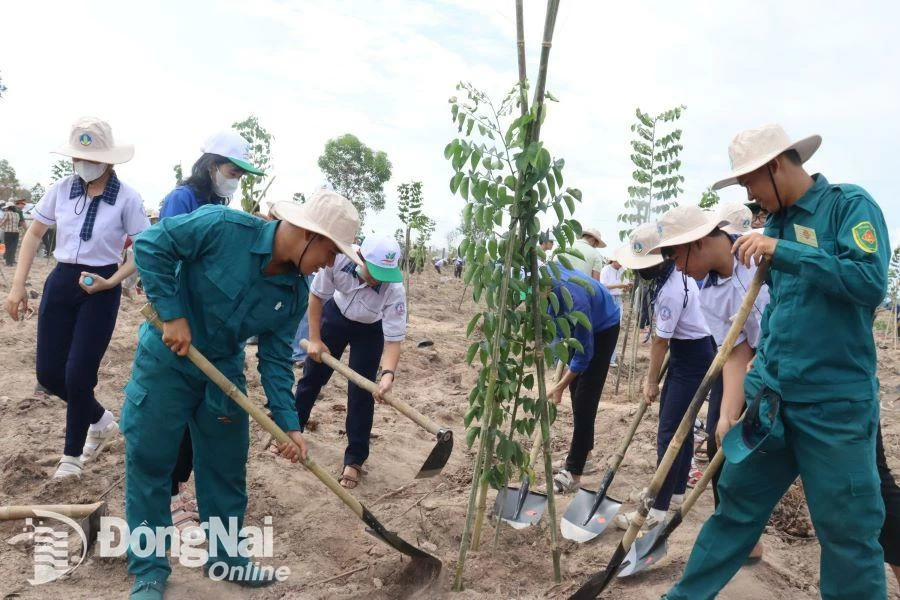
pixel 350 481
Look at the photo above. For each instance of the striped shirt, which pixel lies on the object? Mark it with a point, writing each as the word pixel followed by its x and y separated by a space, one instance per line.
pixel 10 221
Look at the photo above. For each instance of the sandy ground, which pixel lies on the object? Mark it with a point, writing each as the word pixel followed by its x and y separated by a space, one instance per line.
pixel 317 537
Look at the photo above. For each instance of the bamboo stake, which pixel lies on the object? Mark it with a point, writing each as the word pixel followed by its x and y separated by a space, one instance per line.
pixel 636 334
pixel 624 344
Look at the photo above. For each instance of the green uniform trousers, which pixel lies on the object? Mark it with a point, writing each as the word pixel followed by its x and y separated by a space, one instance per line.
pixel 165 395
pixel 831 445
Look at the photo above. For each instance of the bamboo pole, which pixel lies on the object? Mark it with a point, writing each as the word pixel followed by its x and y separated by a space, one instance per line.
pixel 624 343
pixel 636 334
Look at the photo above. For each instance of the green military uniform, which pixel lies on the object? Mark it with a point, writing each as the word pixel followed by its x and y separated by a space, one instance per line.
pixel 828 274
pixel 206 266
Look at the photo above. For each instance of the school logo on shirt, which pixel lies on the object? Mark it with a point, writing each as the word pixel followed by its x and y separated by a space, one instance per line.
pixel 864 236
pixel 401 308
pixel 85 139
pixel 665 313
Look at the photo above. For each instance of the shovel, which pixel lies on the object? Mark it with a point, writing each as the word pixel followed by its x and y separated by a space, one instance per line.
pixel 600 580
pixel 440 454
pixel 375 528
pixel 653 545
pixel 519 506
pixel 590 513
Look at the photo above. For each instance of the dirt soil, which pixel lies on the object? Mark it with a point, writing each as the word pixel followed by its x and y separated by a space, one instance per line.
pixel 317 537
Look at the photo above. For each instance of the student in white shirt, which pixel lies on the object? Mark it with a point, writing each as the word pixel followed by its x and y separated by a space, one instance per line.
pixel 93 212
pixel 365 308
pixel 680 328
pixel 588 245
pixel 612 276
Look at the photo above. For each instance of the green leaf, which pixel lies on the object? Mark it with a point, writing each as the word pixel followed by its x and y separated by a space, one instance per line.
pixel 574 192
pixel 449 148
pixel 570 203
pixel 575 344
pixel 557 174
pixel 471 326
pixel 562 353
pixel 464 188
pixel 564 261
pixel 581 319
pixel 565 329
pixel 455 181
pixel 528 381
pixel 470 353
pixel 554 303
pixel 567 298
pixel 471 434
pixel 559 212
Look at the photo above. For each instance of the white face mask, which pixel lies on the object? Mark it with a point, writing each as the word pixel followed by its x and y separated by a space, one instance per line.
pixel 224 187
pixel 88 171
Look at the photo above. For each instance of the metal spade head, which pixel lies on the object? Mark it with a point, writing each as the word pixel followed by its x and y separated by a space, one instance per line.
pixel 376 529
pixel 644 552
pixel 520 507
pixel 573 525
pixel 439 456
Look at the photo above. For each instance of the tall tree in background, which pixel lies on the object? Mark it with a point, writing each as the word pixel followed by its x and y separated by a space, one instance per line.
pixel 10 187
pixel 252 188
pixel 179 174
pixel 409 211
pixel 60 170
pixel 709 199
pixel 37 192
pixel 357 172
pixel 656 160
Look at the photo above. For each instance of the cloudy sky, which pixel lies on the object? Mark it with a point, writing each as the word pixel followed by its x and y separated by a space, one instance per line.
pixel 168 74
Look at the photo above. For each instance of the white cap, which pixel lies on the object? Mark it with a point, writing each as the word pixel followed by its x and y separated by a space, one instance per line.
pixel 382 256
pixel 231 145
pixel 639 253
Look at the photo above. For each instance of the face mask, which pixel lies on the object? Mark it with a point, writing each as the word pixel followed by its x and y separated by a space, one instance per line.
pixel 88 171
pixel 224 187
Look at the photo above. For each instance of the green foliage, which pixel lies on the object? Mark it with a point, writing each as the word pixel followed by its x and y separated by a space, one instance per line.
pixel 894 275
pixel 252 188
pixel 655 155
pixel 510 186
pixel 299 197
pixel 709 199
pixel 61 169
pixel 10 187
pixel 356 171
pixel 179 174
pixel 37 192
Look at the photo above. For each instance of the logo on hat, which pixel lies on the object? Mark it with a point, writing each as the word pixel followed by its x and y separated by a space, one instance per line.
pixel 746 224
pixel 637 247
pixel 659 228
pixel 85 139
pixel 389 257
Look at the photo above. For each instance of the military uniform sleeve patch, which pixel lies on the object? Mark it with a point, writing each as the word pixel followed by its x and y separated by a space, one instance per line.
pixel 864 236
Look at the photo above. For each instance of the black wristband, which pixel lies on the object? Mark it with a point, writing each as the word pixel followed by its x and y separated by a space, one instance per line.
pixel 385 371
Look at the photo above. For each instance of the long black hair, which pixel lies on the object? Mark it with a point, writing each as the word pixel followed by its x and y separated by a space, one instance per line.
pixel 201 181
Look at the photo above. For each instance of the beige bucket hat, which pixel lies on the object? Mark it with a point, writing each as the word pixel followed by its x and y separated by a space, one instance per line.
pixel 638 252
pixel 738 216
pixel 92 139
pixel 753 148
pixel 685 224
pixel 325 213
pixel 596 235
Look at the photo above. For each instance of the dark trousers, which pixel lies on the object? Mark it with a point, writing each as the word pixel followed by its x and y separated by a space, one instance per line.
pixel 585 390
pixel 183 464
pixel 712 419
pixel 457 271
pixel 890 493
pixel 74 329
pixel 688 362
pixel 11 240
pixel 366 341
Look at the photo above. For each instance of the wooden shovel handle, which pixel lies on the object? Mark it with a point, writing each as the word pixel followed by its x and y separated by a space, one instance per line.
pixel 258 415
pixel 370 386
pixel 73 511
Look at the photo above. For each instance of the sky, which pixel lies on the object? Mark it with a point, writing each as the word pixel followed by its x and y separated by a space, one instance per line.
pixel 167 74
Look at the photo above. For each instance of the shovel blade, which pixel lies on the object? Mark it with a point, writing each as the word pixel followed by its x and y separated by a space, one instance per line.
pixel 439 456
pixel 506 505
pixel 573 526
pixel 376 529
pixel 643 554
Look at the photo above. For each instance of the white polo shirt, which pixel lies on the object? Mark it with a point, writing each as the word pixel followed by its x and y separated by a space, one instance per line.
pixel 611 276
pixel 593 261
pixel 721 302
pixel 360 302
pixel 673 318
pixel 112 224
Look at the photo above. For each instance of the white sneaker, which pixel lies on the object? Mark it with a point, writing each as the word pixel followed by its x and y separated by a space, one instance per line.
pixel 590 467
pixel 68 466
pixel 624 521
pixel 97 440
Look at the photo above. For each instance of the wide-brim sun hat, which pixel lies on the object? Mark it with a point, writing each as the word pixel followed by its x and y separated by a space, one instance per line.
pixel 596 235
pixel 92 139
pixel 685 224
pixel 231 145
pixel 326 213
pixel 738 216
pixel 638 253
pixel 382 256
pixel 753 148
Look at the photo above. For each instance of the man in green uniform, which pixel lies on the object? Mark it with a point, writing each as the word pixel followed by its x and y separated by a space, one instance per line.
pixel 814 375
pixel 216 277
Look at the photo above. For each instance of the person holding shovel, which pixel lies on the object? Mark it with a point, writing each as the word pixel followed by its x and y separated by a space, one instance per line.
pixel 699 242
pixel 93 212
pixel 360 302
pixel 812 390
pixel 586 372
pixel 681 329
pixel 217 276
pixel 214 179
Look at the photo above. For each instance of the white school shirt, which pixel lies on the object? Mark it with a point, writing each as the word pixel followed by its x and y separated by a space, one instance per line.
pixel 592 261
pixel 721 302
pixel 113 223
pixel 673 318
pixel 359 302
pixel 610 276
